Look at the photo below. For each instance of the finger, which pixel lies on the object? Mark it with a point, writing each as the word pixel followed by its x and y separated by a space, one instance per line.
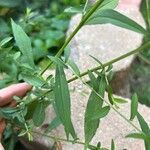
pixel 6 94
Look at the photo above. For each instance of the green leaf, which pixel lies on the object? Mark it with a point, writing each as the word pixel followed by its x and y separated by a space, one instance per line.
pixel 145 128
pixel 94 107
pixel 74 67
pixel 24 43
pixel 110 94
pixel 74 10
pixel 39 114
pixel 120 100
pixel 134 106
pixel 110 67
pixel 112 145
pixel 108 4
pixel 102 113
pixel 98 61
pixel 32 79
pixel 17 55
pixel 145 9
pixel 138 136
pixel 57 61
pixel 54 124
pixel 67 52
pixel 9 3
pixel 7 112
pixel 93 79
pixel 115 18
pixel 5 41
pixel 30 108
pixel 62 101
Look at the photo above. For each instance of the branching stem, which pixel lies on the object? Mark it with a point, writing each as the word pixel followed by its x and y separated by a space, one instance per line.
pixel 61 139
pixel 84 19
pixel 143 47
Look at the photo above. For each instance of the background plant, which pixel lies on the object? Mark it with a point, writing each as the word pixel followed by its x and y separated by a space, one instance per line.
pixel 18 64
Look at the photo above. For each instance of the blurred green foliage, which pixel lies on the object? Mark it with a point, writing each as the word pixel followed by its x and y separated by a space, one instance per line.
pixel 45 23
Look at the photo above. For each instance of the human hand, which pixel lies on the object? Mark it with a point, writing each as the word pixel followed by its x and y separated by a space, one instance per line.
pixel 6 99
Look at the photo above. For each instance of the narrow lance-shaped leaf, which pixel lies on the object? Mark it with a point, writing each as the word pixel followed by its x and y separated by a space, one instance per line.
pixel 110 94
pixel 115 18
pixel 62 101
pixel 120 100
pixel 102 113
pixel 145 128
pixel 5 41
pixel 54 124
pixel 67 52
pixel 98 61
pixel 93 80
pixel 139 136
pixel 145 9
pixel 108 4
pixel 74 67
pixel 23 42
pixel 134 106
pixel 57 61
pixel 74 10
pixel 39 114
pixel 94 107
pixel 33 79
pixel 112 145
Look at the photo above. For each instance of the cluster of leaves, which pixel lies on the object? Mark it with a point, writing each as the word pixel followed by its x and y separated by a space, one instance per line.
pixel 54 90
pixel 46 31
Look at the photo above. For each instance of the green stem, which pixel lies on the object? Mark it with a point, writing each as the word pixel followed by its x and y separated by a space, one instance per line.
pixel 144 59
pixel 143 47
pixel 126 119
pixel 61 139
pixel 84 19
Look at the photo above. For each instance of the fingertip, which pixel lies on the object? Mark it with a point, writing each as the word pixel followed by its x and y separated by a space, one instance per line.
pixel 24 86
pixel 6 94
pixel 20 89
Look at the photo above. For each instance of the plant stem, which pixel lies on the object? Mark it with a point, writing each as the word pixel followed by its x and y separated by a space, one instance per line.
pixel 61 139
pixel 84 19
pixel 144 59
pixel 143 47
